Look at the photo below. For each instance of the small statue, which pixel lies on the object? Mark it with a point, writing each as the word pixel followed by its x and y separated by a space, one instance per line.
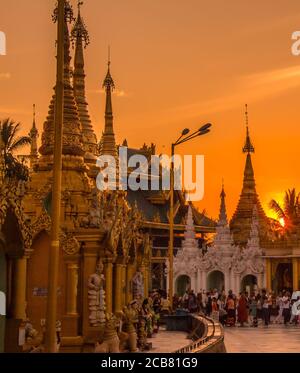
pixel 96 296
pixel 130 321
pixel 34 342
pixel 138 285
pixel 111 341
pixel 142 334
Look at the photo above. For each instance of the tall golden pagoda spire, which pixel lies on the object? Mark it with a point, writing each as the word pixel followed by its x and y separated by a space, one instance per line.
pixel 248 147
pixel 81 39
pixel 240 224
pixel 108 142
pixel 33 134
pixel 72 133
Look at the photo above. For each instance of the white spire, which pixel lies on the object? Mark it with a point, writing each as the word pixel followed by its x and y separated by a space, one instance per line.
pixel 190 243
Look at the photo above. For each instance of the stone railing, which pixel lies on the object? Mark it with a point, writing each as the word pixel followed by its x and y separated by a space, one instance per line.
pixel 207 334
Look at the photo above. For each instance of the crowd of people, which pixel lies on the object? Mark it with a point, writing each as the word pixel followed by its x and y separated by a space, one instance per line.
pixel 243 309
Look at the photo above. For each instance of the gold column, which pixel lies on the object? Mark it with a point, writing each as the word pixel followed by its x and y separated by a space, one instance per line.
pixel 268 274
pixel 19 300
pixel 118 287
pixel 124 283
pixel 295 274
pixel 72 283
pixel 131 267
pixel 53 270
pixel 109 286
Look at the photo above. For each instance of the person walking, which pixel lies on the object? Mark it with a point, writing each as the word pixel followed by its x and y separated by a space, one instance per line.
pixel 265 307
pixel 230 307
pixel 286 308
pixel 242 310
pixel 279 303
pixel 253 311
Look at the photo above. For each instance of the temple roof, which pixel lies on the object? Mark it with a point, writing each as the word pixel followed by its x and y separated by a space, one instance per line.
pixel 154 205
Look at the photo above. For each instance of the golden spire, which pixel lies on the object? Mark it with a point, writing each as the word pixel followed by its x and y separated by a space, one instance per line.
pixel 248 147
pixel 33 134
pixel 108 137
pixel 72 139
pixel 80 38
pixel 241 221
pixel 223 213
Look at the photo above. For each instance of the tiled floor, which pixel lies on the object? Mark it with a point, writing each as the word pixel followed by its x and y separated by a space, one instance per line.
pixel 168 341
pixel 275 338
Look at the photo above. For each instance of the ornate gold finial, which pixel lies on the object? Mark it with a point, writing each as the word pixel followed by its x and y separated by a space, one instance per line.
pixel 69 15
pixel 108 83
pixel 248 147
pixel 34 114
pixel 79 31
pixel 33 131
pixel 108 60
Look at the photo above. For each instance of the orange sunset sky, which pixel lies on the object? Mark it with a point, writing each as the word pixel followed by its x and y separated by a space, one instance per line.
pixel 176 64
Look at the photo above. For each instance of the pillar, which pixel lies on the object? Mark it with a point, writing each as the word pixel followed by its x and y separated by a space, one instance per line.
pixel 237 283
pixel 268 274
pixel 227 281
pixel 19 300
pixel 72 288
pixel 118 287
pixel 109 286
pixel 124 283
pixel 131 268
pixel 295 274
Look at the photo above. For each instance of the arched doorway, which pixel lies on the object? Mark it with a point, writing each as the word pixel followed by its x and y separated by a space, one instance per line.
pixel 183 283
pixel 216 280
pixel 249 284
pixel 283 279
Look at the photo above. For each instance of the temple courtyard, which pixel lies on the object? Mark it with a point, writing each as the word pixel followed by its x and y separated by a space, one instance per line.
pixel 275 338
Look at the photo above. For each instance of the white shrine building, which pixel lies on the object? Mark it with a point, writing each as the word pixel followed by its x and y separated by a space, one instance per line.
pixel 223 265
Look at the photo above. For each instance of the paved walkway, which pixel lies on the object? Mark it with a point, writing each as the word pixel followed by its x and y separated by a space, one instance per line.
pixel 275 338
pixel 167 342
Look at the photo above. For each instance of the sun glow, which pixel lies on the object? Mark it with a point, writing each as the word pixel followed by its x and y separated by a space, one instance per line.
pixel 282 222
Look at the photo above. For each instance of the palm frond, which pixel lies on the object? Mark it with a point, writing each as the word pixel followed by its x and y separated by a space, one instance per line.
pixel 19 143
pixel 275 206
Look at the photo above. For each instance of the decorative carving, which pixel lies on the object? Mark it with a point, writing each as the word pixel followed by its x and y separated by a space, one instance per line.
pixel 96 296
pixel 69 244
pixel 11 194
pixel 42 223
pixel 138 285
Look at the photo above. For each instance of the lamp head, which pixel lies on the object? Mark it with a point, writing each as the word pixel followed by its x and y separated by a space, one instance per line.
pixel 185 132
pixel 201 133
pixel 205 127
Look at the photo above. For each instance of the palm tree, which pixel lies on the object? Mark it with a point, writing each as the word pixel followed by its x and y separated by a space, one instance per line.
pixel 12 143
pixel 289 213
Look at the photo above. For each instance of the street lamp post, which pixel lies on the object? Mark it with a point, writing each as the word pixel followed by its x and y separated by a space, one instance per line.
pixel 185 137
